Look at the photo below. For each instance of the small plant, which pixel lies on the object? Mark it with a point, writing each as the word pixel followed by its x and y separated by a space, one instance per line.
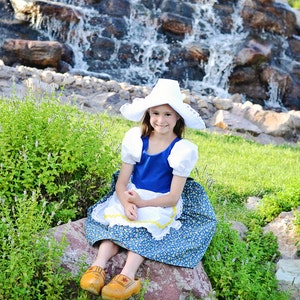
pixel 144 289
pixel 30 261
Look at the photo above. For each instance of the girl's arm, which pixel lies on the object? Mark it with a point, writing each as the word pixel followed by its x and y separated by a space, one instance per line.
pixel 130 209
pixel 167 200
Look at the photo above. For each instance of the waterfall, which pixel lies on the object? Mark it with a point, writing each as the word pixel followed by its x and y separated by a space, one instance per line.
pixel 274 93
pixel 153 51
pixel 152 54
pixel 274 100
pixel 77 34
pixel 221 47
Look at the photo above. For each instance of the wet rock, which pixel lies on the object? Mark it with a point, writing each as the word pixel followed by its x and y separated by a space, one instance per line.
pixel 175 24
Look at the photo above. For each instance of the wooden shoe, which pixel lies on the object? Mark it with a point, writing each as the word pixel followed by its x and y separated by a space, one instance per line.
pixel 121 287
pixel 93 280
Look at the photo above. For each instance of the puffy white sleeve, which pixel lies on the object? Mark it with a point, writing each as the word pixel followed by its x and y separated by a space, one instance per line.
pixel 183 158
pixel 132 146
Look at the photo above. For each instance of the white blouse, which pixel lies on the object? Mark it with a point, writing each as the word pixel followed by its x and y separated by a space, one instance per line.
pixel 182 158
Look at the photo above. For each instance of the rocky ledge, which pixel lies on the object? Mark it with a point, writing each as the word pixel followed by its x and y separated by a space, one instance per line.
pixel 226 116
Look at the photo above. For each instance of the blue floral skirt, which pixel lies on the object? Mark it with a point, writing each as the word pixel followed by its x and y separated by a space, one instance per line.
pixel 183 247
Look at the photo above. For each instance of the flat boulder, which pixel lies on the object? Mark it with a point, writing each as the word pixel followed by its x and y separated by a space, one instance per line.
pixel 161 281
pixel 32 53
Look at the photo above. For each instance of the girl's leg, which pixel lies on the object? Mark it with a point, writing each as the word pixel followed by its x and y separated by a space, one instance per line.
pixel 107 250
pixel 124 285
pixel 94 278
pixel 132 264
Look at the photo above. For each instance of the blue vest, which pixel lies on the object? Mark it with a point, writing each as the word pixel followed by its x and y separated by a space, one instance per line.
pixel 153 172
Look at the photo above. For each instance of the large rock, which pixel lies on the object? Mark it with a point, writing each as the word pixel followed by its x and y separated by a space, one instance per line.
pixel 226 120
pixel 288 276
pixel 161 281
pixel 32 53
pixel 284 229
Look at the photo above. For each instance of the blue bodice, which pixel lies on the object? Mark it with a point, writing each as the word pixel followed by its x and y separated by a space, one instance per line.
pixel 153 172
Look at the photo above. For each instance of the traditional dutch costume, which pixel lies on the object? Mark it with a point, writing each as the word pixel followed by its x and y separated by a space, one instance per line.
pixel 176 235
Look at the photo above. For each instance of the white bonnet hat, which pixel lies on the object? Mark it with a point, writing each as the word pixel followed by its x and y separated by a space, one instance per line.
pixel 166 91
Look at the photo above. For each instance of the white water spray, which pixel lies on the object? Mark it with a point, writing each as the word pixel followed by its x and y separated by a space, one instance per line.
pixel 77 33
pixel 222 47
pixel 274 100
pixel 152 53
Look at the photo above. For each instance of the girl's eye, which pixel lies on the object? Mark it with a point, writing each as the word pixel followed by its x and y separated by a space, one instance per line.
pixel 155 113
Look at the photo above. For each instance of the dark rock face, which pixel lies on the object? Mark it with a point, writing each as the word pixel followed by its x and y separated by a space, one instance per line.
pixel 249 47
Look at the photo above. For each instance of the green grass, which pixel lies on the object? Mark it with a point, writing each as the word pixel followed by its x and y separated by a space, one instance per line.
pixel 294 3
pixel 244 167
pixel 55 161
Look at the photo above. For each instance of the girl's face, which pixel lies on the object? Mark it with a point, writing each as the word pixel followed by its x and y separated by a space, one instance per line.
pixel 163 118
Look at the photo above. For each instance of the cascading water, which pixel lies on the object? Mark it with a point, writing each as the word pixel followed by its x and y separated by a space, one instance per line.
pixel 274 93
pixel 77 35
pixel 153 52
pixel 142 31
pixel 221 47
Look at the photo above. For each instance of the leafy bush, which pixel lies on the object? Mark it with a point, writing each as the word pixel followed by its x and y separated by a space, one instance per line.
pixel 285 200
pixel 242 269
pixel 57 149
pixel 29 262
pixel 294 3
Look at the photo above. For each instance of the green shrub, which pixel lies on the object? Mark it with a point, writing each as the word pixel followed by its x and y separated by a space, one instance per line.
pixel 29 261
pixel 294 3
pixel 273 204
pixel 65 153
pixel 242 269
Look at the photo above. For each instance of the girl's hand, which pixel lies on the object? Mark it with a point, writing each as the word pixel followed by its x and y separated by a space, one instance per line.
pixel 134 198
pixel 130 210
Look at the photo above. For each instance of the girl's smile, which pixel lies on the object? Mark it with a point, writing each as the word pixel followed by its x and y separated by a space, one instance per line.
pixel 163 118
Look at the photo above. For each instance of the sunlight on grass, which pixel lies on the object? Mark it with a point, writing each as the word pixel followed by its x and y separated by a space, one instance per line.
pixel 246 167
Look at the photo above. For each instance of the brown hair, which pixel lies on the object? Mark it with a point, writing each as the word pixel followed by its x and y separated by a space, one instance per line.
pixel 147 128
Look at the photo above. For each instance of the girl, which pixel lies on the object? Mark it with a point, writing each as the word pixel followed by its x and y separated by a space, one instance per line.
pixel 154 210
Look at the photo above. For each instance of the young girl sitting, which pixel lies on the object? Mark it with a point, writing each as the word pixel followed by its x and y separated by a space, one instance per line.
pixel 154 210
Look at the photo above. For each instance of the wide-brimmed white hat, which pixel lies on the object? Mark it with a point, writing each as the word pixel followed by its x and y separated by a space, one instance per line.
pixel 166 91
